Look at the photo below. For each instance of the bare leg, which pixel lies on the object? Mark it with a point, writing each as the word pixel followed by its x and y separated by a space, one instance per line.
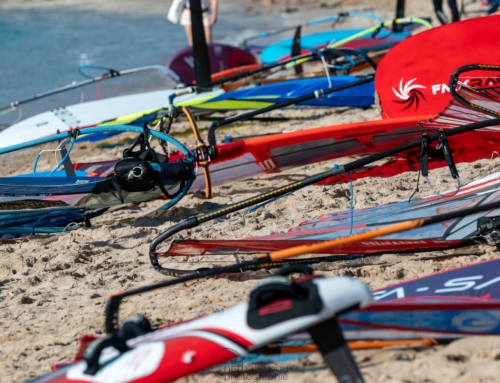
pixel 208 34
pixel 189 34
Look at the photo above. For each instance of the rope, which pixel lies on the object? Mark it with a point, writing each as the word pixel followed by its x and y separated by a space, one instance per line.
pixel 58 149
pixel 340 67
pixel 443 195
pixel 325 65
pixel 418 176
pixel 351 202
pixel 55 213
pixel 65 156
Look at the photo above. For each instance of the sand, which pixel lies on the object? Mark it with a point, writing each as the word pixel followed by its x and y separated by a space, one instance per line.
pixel 53 288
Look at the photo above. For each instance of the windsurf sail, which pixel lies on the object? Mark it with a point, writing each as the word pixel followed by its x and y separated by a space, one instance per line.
pixel 282 50
pixel 110 83
pixel 222 57
pixel 406 89
pixel 428 310
pixel 275 153
pixel 266 95
pixel 90 102
pixel 336 225
pixel 154 105
pixel 333 19
pixel 31 202
pixel 458 302
pixel 108 74
pixel 451 304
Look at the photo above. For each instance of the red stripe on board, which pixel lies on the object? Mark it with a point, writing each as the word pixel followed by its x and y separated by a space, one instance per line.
pixel 229 335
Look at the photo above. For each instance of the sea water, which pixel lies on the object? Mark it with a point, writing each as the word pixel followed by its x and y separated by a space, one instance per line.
pixel 40 49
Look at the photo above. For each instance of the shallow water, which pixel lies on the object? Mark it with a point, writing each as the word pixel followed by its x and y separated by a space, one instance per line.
pixel 42 48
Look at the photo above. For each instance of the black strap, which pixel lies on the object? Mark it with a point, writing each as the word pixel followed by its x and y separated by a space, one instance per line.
pixel 143 141
pixel 447 153
pixel 379 29
pixel 167 126
pixel 73 133
pixel 115 187
pixel 164 190
pixel 93 352
pixel 129 152
pixel 423 162
pixel 424 156
pixel 136 326
pixel 279 299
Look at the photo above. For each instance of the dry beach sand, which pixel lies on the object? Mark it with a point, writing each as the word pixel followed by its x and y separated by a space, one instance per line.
pixel 53 288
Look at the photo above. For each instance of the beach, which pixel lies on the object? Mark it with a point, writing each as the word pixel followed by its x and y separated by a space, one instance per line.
pixel 53 288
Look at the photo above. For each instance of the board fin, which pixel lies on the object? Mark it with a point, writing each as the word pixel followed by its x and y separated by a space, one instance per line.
pixel 296 49
pixel 67 165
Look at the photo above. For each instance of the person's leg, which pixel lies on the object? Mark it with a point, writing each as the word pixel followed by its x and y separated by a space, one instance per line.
pixel 438 8
pixel 207 25
pixel 438 5
pixel 208 33
pixel 185 21
pixel 189 34
pixel 455 15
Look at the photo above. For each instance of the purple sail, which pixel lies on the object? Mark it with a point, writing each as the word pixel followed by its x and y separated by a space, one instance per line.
pixel 221 56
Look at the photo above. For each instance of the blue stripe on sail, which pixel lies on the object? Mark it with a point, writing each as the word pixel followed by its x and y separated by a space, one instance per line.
pixel 49 181
pixel 21 186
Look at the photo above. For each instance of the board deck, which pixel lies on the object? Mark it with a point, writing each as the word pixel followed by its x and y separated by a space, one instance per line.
pixel 88 114
pixel 361 96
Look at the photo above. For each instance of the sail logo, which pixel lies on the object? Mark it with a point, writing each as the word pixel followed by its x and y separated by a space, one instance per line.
pixel 66 116
pixel 268 166
pixel 471 282
pixel 189 60
pixel 471 82
pixel 409 94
